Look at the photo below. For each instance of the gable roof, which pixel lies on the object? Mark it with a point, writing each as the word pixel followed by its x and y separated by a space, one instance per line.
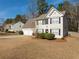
pixel 29 24
pixel 45 16
pixel 52 10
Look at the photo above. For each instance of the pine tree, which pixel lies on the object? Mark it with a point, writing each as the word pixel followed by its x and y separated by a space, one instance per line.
pixel 42 6
pixel 60 7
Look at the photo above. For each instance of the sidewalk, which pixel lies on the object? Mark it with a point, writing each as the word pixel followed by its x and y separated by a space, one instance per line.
pixel 74 34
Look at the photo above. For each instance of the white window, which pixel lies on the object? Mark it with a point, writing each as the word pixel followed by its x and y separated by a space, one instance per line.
pixel 39 22
pixel 46 21
pixel 39 31
pixel 43 22
pixel 55 31
pixel 55 20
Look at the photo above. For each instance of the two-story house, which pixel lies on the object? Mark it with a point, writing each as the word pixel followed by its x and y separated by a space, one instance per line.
pixel 53 22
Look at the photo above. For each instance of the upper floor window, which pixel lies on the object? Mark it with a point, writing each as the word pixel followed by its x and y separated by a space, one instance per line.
pixel 43 22
pixel 55 20
pixel 39 22
pixel 46 21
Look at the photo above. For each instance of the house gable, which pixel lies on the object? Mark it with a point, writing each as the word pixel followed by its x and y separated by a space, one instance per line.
pixel 54 13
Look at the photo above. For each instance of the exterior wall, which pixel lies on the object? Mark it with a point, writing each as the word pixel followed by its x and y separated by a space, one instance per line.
pixel 51 26
pixel 65 26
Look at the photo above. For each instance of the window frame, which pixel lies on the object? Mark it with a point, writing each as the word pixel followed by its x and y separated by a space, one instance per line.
pixel 46 21
pixel 54 31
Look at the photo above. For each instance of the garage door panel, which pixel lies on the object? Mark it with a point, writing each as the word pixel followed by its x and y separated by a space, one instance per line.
pixel 28 32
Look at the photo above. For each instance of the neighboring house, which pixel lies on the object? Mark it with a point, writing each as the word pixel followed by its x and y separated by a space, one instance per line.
pixel 29 28
pixel 16 27
pixel 7 27
pixel 54 22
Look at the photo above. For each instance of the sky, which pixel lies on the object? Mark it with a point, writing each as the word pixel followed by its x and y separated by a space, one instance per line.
pixel 10 8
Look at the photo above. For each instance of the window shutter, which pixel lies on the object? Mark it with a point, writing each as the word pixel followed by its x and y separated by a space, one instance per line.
pixel 59 32
pixel 50 20
pixel 50 30
pixel 37 22
pixel 59 19
pixel 42 30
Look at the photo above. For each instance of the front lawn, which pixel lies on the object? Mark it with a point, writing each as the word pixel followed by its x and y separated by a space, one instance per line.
pixel 31 48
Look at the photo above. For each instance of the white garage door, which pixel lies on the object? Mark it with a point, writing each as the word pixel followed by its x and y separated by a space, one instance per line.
pixel 28 32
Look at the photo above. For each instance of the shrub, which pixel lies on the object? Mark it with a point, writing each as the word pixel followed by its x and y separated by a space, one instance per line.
pixel 49 36
pixel 42 35
pixel 21 32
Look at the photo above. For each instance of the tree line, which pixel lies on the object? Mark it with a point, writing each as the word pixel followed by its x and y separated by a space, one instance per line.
pixel 21 18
